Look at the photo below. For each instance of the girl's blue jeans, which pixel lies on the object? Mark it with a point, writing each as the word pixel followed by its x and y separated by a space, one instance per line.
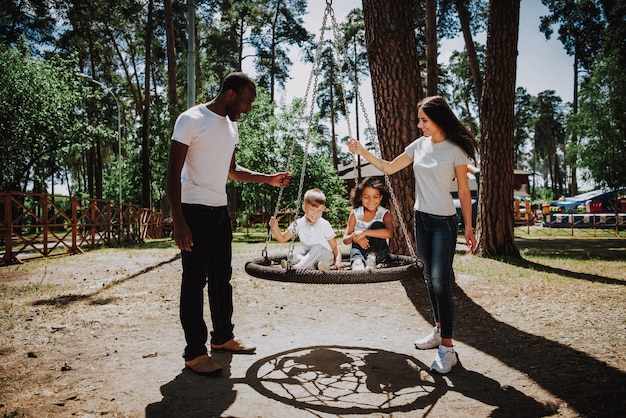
pixel 377 246
pixel 435 237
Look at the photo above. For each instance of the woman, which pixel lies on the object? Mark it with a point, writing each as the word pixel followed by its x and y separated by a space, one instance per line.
pixel 440 155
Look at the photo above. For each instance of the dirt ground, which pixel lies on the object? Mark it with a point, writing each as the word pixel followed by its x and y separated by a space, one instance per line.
pixel 98 334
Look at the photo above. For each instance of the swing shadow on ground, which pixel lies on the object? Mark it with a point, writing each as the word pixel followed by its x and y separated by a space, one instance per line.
pixel 321 379
pixel 587 385
pixel 339 381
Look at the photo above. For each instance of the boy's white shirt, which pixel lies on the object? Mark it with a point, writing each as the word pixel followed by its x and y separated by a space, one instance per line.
pixel 318 233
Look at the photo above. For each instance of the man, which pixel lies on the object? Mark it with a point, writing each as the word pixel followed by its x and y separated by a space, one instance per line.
pixel 202 157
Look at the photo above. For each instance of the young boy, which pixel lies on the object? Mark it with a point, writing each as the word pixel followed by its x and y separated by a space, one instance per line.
pixel 317 238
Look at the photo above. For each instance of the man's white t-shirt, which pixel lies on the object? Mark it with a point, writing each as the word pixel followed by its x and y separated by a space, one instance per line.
pixel 433 165
pixel 211 139
pixel 318 233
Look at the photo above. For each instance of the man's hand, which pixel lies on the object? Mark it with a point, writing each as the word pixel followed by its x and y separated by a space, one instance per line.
pixel 182 236
pixel 280 179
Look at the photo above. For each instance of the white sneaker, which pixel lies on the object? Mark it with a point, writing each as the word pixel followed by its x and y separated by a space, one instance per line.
pixel 432 340
pixel 358 265
pixel 323 265
pixel 444 360
pixel 370 263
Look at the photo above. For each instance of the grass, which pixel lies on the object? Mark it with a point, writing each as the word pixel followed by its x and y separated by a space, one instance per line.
pixel 595 259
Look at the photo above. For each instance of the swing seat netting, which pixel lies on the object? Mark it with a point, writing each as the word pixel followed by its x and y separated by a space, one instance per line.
pixel 397 267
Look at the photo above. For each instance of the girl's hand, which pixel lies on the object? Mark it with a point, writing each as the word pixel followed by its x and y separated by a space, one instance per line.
pixel 360 239
pixel 273 222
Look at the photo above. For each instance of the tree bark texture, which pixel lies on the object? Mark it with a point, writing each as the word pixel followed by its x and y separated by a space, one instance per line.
pixel 432 71
pixel 495 209
pixel 146 195
pixel 172 92
pixel 397 88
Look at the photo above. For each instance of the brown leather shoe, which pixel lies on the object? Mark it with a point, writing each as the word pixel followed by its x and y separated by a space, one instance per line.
pixel 204 365
pixel 234 346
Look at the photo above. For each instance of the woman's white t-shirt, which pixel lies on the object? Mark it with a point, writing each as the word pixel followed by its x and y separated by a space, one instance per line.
pixel 433 166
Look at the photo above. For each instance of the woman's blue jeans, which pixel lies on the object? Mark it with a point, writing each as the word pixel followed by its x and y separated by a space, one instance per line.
pixel 435 237
pixel 209 262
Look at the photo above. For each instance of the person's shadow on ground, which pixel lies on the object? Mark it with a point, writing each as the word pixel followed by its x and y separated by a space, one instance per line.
pixel 192 395
pixel 589 386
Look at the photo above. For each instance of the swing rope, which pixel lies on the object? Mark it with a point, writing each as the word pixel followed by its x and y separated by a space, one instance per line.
pixel 398 267
pixel 313 80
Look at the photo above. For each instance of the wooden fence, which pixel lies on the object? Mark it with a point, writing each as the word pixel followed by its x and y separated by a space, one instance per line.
pixel 40 224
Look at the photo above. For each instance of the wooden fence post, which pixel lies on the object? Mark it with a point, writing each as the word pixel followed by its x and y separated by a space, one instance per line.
pixel 9 257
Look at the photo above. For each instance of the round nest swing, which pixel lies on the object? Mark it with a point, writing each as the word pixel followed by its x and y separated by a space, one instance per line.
pixel 397 267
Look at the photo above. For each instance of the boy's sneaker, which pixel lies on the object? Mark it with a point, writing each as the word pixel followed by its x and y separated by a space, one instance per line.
pixel 432 340
pixel 204 365
pixel 444 360
pixel 370 263
pixel 323 265
pixel 358 265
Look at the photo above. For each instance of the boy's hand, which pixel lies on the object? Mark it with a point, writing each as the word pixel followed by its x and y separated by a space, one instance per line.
pixel 273 222
pixel 338 263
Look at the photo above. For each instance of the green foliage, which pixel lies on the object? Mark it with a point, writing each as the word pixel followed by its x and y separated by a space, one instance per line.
pixel 37 117
pixel 601 123
pixel 580 27
pixel 459 86
pixel 523 121
pixel 549 139
pixel 270 144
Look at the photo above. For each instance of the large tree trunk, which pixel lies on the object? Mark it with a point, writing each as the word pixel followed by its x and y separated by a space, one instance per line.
pixel 397 88
pixel 573 188
pixel 495 209
pixel 432 73
pixel 146 193
pixel 172 94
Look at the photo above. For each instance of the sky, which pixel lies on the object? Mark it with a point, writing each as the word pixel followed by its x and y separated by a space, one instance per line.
pixel 542 64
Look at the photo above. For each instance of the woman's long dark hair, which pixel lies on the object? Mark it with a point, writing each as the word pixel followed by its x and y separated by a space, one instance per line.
pixel 440 112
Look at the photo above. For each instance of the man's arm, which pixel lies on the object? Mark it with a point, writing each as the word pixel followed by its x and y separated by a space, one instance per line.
pixel 181 233
pixel 239 173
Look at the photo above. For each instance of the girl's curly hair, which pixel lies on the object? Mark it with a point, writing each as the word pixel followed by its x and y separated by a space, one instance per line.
pixel 378 184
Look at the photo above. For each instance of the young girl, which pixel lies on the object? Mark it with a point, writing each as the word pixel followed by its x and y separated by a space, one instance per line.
pixel 369 224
